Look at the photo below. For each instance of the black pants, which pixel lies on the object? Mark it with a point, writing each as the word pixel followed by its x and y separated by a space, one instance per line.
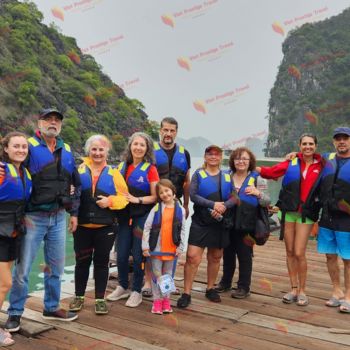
pixel 92 244
pixel 242 248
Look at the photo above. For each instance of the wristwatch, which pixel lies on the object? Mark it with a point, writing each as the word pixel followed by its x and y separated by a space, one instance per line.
pixel 140 200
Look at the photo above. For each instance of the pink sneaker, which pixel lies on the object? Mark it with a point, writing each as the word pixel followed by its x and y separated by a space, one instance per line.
pixel 157 307
pixel 166 306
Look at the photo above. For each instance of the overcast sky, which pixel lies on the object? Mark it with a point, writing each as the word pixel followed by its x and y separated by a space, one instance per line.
pixel 210 64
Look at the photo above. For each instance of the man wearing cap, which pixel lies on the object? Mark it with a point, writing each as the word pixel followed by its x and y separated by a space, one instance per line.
pixel 52 167
pixel 334 232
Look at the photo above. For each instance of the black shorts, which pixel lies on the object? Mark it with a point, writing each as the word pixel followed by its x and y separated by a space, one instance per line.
pixel 209 236
pixel 9 248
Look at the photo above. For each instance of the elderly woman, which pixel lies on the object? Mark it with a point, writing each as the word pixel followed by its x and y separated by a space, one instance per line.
pixel 251 191
pixel 141 177
pixel 15 189
pixel 102 195
pixel 210 191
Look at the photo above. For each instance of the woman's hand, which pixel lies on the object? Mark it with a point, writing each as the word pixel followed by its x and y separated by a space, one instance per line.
pixel 291 156
pixel 219 207
pixel 102 202
pixel 131 199
pixel 215 214
pixel 146 253
pixel 252 191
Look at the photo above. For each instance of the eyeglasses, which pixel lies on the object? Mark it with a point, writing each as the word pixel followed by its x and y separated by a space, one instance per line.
pixel 237 160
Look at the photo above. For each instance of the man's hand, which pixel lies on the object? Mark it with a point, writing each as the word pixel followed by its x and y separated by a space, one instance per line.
pixel 73 224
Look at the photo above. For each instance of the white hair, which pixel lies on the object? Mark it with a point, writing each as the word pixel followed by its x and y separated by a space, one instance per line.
pixel 94 138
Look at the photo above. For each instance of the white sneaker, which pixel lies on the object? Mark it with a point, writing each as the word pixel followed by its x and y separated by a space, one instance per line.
pixel 134 300
pixel 118 293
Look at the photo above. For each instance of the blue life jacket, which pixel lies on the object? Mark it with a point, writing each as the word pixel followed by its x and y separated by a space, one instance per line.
pixel 177 171
pixel 51 173
pixel 289 197
pixel 138 186
pixel 157 222
pixel 335 188
pixel 89 211
pixel 14 193
pixel 246 211
pixel 208 189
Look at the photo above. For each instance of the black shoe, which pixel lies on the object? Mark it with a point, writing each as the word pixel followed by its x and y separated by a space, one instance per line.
pixel 184 301
pixel 220 288
pixel 60 315
pixel 240 293
pixel 13 323
pixel 213 295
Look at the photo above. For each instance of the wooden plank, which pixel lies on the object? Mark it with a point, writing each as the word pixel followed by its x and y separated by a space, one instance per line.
pixel 278 337
pixel 111 338
pixel 294 327
pixel 28 328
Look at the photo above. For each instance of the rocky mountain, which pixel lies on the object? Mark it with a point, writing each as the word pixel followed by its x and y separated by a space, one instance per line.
pixel 312 89
pixel 40 67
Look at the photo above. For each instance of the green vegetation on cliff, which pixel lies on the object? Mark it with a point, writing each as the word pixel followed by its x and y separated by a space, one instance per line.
pixel 312 88
pixel 39 67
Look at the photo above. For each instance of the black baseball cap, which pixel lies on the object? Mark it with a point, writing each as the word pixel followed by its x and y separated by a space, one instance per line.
pixel 342 130
pixel 47 111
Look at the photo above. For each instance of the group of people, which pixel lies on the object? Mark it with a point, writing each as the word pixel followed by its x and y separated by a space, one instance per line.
pixel 142 206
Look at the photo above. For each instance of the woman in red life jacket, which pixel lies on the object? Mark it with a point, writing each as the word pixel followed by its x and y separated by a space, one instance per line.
pixel 298 210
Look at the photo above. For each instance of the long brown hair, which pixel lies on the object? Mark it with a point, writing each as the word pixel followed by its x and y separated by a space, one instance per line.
pixel 5 143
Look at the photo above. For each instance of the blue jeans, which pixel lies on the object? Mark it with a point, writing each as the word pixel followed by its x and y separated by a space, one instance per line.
pixel 129 238
pixel 50 228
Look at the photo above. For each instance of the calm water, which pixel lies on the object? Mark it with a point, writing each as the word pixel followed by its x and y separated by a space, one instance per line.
pixel 37 273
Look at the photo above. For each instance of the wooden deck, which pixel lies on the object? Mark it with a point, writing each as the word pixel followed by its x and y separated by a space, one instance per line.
pixel 261 321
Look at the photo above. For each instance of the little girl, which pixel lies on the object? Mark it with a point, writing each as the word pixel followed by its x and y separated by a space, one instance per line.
pixel 163 232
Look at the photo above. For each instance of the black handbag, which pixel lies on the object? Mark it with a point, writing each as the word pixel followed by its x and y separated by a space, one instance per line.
pixel 262 226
